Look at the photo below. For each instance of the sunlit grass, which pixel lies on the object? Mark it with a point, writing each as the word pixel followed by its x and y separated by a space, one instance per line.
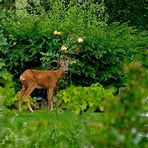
pixel 57 118
pixel 57 128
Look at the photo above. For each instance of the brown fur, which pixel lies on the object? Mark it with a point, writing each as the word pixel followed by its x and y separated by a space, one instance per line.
pixel 46 79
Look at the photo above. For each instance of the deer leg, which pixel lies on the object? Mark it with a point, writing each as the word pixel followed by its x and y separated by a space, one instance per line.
pixel 50 98
pixel 20 98
pixel 27 94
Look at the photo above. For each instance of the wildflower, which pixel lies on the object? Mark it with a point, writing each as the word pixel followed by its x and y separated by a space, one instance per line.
pixel 80 40
pixel 57 33
pixel 64 48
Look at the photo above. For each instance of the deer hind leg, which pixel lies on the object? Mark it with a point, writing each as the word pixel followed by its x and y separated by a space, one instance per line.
pixel 27 94
pixel 20 96
pixel 50 98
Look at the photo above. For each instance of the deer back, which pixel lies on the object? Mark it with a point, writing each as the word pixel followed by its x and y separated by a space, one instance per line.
pixel 41 78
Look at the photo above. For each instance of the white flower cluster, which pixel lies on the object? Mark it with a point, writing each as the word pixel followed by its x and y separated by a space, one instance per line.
pixel 57 33
pixel 64 48
pixel 80 40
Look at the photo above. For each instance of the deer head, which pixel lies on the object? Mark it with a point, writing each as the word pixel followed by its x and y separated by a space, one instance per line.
pixel 64 64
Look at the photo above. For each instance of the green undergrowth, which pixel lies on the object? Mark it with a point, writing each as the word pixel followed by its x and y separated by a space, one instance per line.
pixel 120 125
pixel 91 99
pixel 48 129
pixel 64 129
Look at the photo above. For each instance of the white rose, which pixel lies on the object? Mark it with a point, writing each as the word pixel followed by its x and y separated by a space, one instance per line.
pixel 64 48
pixel 80 40
pixel 57 33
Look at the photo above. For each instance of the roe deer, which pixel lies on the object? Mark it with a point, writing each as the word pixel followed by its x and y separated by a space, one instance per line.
pixel 46 79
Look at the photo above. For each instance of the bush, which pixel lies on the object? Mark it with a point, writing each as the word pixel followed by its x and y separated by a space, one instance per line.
pixel 125 126
pixel 8 96
pixel 98 59
pixel 7 88
pixel 77 99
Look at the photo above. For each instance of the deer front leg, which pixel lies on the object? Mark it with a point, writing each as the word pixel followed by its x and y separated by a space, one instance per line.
pixel 20 96
pixel 50 98
pixel 27 94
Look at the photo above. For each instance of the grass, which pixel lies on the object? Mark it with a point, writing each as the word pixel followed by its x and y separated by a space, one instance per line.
pixel 43 128
pixel 63 129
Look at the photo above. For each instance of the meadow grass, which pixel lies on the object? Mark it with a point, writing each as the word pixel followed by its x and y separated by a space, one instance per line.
pixel 64 129
pixel 44 128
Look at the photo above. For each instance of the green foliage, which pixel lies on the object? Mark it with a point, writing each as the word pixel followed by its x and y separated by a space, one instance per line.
pixel 3 44
pixel 3 40
pixel 128 11
pixel 143 58
pixel 8 95
pixel 7 91
pixel 46 129
pixel 125 121
pixel 77 99
pixel 7 4
pixel 119 127
pixel 104 51
pixel 28 40
pixel 99 59
pixel 137 86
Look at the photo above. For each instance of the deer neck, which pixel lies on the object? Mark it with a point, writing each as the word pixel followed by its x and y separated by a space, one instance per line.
pixel 60 72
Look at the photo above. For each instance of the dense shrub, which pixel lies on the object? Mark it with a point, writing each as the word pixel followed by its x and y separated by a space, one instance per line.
pixel 3 42
pixel 128 125
pixel 77 99
pixel 98 59
pixel 8 96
